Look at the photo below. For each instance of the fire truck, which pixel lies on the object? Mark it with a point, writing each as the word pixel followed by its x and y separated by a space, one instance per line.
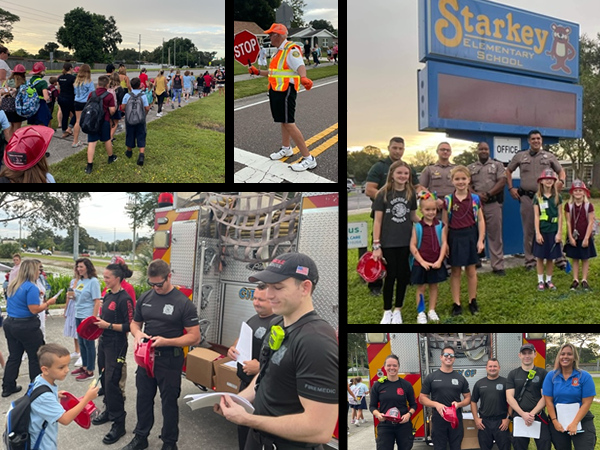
pixel 419 355
pixel 214 241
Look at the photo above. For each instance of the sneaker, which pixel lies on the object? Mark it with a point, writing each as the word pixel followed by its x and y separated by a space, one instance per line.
pixel 541 286
pixel 387 318
pixel 282 153
pixel 112 158
pixel 89 168
pixel 74 355
pixel 304 165
pixel 79 362
pixel 397 317
pixel 422 318
pixel 84 376
pixel 575 285
pixel 78 371
pixel 456 310
pixel 550 285
pixel 473 306
pixel 433 316
pixel 140 161
pixel 585 286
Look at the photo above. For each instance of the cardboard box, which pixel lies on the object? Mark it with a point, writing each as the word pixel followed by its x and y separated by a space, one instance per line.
pixel 227 379
pixel 200 366
pixel 470 438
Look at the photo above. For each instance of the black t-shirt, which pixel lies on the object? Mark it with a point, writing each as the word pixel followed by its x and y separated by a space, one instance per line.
pixel 445 388
pixel 165 315
pixel 117 308
pixel 533 392
pixel 392 394
pixel 260 328
pixel 396 226
pixel 306 365
pixel 493 397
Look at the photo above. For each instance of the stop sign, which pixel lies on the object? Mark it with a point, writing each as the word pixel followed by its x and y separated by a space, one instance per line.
pixel 246 47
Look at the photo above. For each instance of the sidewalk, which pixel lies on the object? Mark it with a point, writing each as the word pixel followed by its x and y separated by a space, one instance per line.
pixel 60 149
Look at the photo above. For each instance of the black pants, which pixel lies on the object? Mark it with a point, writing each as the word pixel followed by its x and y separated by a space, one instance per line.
pixel 543 443
pixel 389 434
pixel 398 272
pixel 167 378
pixel 444 434
pixel 258 441
pixel 581 441
pixel 22 335
pixel 108 353
pixel 493 433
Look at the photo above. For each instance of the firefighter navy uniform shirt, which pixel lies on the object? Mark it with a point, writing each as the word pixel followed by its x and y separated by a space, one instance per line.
pixel 165 315
pixel 445 388
pixel 389 394
pixel 492 394
pixel 533 392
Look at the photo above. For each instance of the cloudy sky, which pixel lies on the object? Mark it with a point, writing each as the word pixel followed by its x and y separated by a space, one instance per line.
pixel 201 21
pixel 321 9
pixel 383 64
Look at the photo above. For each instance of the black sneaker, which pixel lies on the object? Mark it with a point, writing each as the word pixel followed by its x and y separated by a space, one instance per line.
pixel 585 286
pixel 140 161
pixel 456 310
pixel 89 168
pixel 112 159
pixel 473 306
pixel 574 285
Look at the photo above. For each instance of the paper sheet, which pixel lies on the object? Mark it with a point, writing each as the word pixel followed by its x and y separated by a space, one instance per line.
pixel 566 413
pixel 244 346
pixel 210 398
pixel 522 430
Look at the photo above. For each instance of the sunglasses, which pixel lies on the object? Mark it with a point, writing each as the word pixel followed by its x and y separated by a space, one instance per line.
pixel 159 285
pixel 448 355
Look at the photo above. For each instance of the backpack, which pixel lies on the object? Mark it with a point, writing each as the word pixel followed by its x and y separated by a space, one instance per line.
pixel 27 101
pixel 134 109
pixel 419 231
pixel 476 204
pixel 18 418
pixel 587 212
pixel 92 116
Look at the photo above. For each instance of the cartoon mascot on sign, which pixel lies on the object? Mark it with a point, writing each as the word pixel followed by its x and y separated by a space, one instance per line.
pixel 562 50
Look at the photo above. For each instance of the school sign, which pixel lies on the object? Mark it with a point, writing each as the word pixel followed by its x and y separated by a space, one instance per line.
pixel 501 37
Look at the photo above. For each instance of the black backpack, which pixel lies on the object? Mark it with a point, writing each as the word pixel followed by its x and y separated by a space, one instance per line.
pixel 92 116
pixel 18 418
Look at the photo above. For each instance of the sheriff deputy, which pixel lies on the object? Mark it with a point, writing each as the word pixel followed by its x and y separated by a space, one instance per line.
pixel 286 73
pixel 442 389
pixel 493 420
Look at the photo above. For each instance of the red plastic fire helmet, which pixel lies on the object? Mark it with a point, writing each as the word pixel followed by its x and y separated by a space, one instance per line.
pixel 450 416
pixel 27 147
pixel 84 419
pixel 88 329
pixel 144 357
pixel 369 269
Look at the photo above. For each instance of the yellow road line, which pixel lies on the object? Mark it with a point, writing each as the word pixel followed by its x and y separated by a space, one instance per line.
pixel 321 148
pixel 314 139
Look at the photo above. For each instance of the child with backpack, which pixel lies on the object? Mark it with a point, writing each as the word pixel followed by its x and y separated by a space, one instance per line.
pixel 466 232
pixel 428 246
pixel 95 121
pixel 40 410
pixel 136 106
pixel 581 221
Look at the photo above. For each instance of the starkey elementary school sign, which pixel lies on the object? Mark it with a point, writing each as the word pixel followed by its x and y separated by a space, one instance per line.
pixel 484 33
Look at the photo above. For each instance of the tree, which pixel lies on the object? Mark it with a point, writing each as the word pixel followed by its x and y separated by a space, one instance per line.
pixel 92 36
pixel 6 21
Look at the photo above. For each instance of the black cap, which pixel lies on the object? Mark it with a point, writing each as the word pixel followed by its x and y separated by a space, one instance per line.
pixel 289 265
pixel 527 347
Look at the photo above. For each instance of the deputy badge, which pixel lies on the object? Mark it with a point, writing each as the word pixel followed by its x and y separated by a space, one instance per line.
pixel 296 54
pixel 575 382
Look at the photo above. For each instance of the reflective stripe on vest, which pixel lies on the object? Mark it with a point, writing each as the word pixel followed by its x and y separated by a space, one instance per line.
pixel 279 77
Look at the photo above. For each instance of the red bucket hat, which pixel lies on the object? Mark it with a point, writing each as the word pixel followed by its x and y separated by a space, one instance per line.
pixel 369 269
pixel 88 329
pixel 84 418
pixel 27 147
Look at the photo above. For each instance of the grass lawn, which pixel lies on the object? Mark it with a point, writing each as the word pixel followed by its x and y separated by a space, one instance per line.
pixel 510 299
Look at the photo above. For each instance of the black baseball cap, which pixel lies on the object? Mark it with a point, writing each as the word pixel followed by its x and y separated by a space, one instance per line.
pixel 288 265
pixel 527 347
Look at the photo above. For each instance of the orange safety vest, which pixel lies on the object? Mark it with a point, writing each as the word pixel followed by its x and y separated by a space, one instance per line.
pixel 279 71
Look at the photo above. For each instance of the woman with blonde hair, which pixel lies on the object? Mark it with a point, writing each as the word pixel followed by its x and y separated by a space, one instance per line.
pixel 84 86
pixel 570 386
pixel 22 326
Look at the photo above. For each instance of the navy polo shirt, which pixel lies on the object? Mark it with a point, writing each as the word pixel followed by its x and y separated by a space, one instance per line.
pixel 579 385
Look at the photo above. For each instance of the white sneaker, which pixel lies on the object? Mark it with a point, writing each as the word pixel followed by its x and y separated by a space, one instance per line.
pixel 79 362
pixel 282 153
pixel 387 318
pixel 304 164
pixel 397 317
pixel 433 316
pixel 75 355
pixel 422 318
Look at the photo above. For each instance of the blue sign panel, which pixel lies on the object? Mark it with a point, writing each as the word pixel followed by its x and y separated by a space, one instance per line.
pixel 453 97
pixel 485 33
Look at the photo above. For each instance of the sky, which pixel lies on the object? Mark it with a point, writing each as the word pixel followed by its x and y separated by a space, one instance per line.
pixel 383 64
pixel 201 21
pixel 101 216
pixel 321 9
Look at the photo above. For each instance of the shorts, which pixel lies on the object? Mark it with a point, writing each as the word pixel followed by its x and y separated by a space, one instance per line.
pixel 135 133
pixel 104 134
pixel 283 104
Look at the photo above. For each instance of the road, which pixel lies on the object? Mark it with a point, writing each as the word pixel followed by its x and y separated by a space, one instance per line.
pixel 257 136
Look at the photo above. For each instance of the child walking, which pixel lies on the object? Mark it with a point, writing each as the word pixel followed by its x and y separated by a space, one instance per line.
pixel 466 231
pixel 579 213
pixel 395 210
pixel 428 245
pixel 548 227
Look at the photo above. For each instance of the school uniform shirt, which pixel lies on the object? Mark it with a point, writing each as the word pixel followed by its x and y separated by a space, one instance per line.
pixel 396 226
pixel 493 397
pixel 392 394
pixel 445 388
pixel 579 218
pixel 533 392
pixel 109 101
pixel 45 408
pixel 577 386
pixel 86 292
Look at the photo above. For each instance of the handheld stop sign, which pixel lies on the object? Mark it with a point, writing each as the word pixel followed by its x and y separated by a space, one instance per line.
pixel 246 48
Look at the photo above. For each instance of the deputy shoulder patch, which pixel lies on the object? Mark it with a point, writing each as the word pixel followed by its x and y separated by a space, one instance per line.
pixel 296 54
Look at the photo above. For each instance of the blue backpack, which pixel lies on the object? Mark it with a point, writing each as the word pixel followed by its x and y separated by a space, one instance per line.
pixel 18 418
pixel 27 101
pixel 419 230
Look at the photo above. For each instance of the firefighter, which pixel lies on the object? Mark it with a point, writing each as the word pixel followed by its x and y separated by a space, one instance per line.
pixel 296 396
pixel 164 313
pixel 286 73
pixel 524 395
pixel 494 415
pixel 390 392
pixel 443 389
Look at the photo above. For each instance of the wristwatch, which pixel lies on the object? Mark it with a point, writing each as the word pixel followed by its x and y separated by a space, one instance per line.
pixel 110 327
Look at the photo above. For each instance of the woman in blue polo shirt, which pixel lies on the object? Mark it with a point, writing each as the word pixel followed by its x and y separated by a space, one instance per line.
pixel 569 384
